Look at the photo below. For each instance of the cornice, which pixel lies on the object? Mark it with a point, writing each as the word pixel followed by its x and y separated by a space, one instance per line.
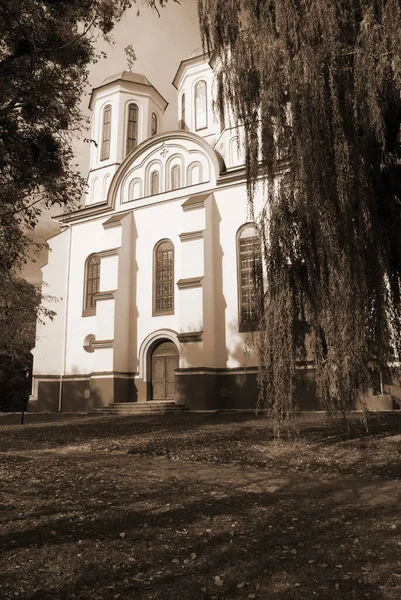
pixel 107 295
pixel 189 336
pixel 191 235
pixel 190 282
pixel 97 344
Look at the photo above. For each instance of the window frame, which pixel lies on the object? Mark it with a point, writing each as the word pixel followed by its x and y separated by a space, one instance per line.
pixel 183 125
pixel 174 169
pixel 196 118
pixel 170 311
pixel 153 124
pixel 128 139
pixel 106 131
pixel 90 310
pixel 246 325
pixel 152 174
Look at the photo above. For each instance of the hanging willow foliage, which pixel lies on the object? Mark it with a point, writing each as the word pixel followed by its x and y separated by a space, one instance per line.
pixel 317 84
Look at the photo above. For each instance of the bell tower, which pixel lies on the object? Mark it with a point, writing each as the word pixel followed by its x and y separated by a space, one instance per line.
pixel 126 110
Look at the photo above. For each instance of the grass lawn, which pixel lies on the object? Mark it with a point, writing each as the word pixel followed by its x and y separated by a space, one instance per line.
pixel 198 507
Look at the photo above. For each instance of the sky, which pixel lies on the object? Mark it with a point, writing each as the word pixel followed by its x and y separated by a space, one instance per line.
pixel 160 43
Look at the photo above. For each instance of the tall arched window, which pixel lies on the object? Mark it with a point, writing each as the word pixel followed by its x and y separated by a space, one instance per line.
pixel 132 127
pixel 200 105
pixel 164 278
pixel 154 183
pixel 106 133
pixel 249 276
pixel 182 123
pixel 154 124
pixel 175 177
pixel 92 282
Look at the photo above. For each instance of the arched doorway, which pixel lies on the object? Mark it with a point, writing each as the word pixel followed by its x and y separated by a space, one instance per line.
pixel 164 362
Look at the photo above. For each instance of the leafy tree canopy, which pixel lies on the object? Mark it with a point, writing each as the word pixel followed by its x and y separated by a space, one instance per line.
pixel 45 49
pixel 317 85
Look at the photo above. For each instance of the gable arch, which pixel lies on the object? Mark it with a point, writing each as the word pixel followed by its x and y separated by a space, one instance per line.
pixel 216 161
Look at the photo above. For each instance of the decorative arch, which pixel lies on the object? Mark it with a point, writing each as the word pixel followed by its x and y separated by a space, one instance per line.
pixel 234 151
pixel 174 161
pixel 135 189
pixel 154 165
pixel 249 276
pixel 95 191
pixel 148 345
pixel 195 173
pixel 106 185
pixel 154 183
pixel 156 143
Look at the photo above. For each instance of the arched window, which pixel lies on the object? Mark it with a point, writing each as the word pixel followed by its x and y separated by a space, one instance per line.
pixel 154 124
pixel 200 105
pixel 106 133
pixel 164 278
pixel 175 177
pixel 249 276
pixel 135 189
pixel 182 122
pixel 132 127
pixel 194 173
pixel 92 282
pixel 154 183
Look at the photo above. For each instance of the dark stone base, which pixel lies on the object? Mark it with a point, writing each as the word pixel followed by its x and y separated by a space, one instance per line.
pixel 235 389
pixel 197 389
pixel 81 395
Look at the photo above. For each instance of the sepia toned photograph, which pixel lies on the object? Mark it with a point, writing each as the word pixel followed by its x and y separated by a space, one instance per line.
pixel 200 299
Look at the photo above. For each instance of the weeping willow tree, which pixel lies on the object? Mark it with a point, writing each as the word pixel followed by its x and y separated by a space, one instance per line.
pixel 316 84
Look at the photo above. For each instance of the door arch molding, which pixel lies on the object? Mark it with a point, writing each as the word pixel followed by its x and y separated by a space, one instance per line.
pixel 147 347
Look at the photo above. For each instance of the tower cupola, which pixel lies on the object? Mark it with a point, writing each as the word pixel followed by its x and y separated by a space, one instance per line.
pixel 126 110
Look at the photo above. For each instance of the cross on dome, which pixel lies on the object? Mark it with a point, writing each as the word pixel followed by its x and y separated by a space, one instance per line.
pixel 131 56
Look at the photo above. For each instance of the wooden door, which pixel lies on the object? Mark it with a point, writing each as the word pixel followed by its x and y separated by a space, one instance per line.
pixel 164 363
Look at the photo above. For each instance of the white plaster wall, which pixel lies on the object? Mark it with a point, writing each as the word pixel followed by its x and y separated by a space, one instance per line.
pixel 231 213
pixel 87 238
pixel 193 259
pixel 124 344
pixel 194 219
pixel 109 270
pixel 48 351
pixel 191 310
pixel 103 360
pixel 105 320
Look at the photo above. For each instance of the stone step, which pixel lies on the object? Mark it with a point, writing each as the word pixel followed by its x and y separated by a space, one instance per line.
pixel 124 408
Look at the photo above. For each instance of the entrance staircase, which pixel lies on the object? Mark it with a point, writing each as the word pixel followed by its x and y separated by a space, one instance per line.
pixel 139 408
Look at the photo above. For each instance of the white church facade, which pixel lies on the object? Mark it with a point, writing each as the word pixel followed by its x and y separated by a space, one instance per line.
pixel 153 276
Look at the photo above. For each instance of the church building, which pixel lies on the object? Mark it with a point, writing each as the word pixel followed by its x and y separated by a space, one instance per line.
pixel 153 277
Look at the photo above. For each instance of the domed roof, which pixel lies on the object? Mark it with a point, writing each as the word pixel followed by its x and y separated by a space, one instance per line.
pixel 127 76
pixel 196 52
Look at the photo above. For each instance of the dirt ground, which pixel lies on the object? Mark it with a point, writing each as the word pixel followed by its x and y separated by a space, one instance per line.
pixel 199 507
